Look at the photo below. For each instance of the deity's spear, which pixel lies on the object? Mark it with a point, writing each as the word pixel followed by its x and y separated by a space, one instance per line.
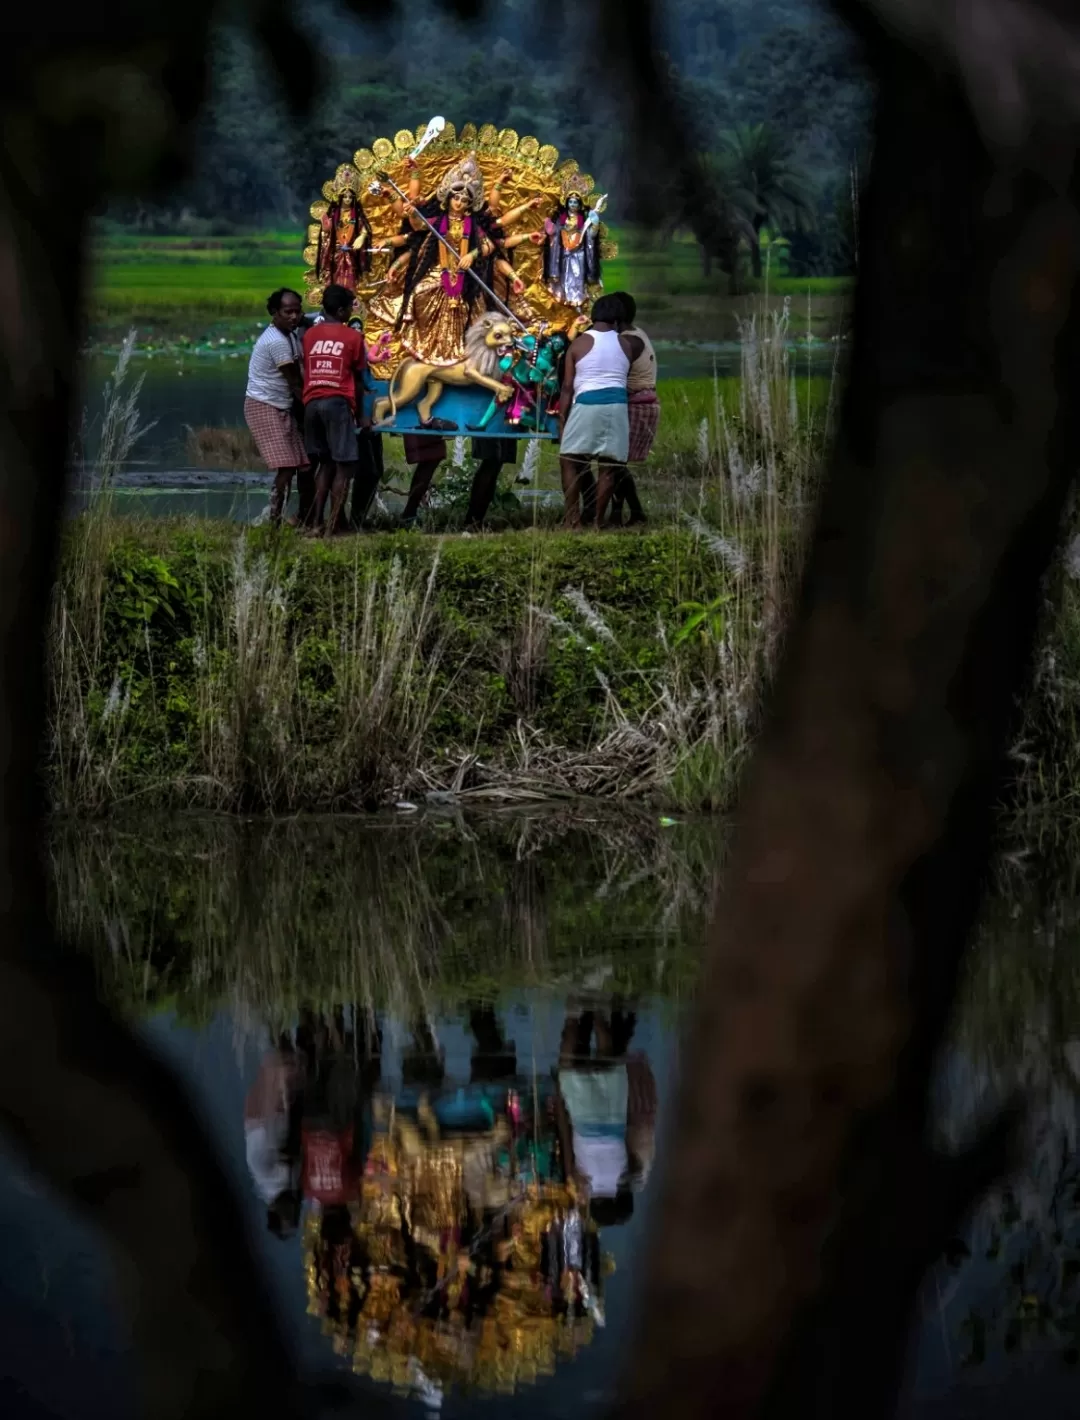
pixel 386 178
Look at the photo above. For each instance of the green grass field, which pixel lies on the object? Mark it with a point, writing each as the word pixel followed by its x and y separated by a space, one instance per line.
pixel 213 287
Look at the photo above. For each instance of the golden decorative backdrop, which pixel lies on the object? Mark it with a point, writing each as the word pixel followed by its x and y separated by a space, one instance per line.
pixel 535 171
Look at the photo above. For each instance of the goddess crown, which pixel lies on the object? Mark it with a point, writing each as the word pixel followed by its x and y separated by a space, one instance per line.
pixel 574 185
pixel 465 178
pixel 346 180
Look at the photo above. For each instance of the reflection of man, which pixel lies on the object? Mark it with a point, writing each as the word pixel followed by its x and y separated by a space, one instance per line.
pixel 605 1111
pixel 342 1070
pixel 495 1058
pixel 269 1142
pixel 424 1062
pixel 333 1113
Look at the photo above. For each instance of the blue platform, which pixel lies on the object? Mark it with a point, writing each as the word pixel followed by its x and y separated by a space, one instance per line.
pixel 465 407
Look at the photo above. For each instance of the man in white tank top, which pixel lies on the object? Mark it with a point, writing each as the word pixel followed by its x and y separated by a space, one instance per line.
pixel 593 418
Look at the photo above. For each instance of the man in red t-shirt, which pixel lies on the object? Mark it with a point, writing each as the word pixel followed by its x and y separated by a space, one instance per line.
pixel 334 363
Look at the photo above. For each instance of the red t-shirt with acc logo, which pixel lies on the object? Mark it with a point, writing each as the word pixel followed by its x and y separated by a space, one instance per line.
pixel 333 356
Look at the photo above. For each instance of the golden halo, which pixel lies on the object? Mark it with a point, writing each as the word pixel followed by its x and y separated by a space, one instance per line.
pixel 538 172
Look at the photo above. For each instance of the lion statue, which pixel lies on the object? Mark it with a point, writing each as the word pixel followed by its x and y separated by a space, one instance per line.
pixel 486 341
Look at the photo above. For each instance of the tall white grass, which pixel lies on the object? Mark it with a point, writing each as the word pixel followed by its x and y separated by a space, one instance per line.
pixel 83 746
pixel 254 701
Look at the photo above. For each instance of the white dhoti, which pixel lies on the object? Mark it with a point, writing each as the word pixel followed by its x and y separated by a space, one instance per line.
pixel 596 431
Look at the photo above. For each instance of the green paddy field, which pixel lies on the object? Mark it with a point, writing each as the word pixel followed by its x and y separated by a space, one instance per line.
pixel 211 288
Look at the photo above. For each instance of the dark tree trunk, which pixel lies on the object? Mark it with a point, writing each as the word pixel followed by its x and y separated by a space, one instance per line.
pixel 802 1203
pixel 706 261
pixel 100 1119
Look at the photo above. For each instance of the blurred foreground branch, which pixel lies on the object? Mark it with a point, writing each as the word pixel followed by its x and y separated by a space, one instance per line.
pixel 804 1203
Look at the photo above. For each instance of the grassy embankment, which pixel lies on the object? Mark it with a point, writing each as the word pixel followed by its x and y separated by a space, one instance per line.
pixel 199 291
pixel 197 666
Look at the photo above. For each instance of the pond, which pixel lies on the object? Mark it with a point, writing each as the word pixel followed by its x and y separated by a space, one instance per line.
pixel 182 392
pixel 495 1001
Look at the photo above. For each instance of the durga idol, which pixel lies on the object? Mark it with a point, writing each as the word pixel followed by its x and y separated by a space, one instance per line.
pixel 453 235
pixel 440 296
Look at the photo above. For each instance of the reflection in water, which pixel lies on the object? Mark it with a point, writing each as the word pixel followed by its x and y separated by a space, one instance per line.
pixel 452 1233
pixel 450 1117
pixel 1007 1295
pixel 201 914
pixel 437 1053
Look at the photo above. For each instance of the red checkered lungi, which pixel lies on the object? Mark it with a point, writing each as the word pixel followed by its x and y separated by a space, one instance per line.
pixel 276 436
pixel 644 411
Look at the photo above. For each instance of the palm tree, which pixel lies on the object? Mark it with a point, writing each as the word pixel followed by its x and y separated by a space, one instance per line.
pixel 762 184
pixel 704 206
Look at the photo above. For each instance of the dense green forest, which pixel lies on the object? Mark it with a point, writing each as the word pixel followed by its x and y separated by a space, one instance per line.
pixel 776 98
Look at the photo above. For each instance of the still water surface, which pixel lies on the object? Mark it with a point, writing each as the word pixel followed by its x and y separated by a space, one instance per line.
pixel 490 1005
pixel 188 392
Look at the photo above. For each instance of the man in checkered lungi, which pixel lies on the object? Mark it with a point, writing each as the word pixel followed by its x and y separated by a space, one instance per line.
pixel 644 410
pixel 274 382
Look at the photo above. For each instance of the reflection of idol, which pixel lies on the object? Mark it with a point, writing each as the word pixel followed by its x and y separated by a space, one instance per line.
pixel 467 1249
